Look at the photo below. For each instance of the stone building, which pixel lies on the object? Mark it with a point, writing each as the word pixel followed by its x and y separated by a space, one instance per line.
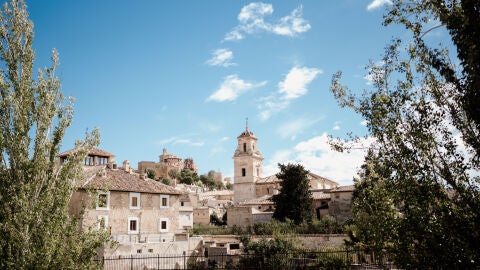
pixel 167 162
pixel 253 192
pixel 141 214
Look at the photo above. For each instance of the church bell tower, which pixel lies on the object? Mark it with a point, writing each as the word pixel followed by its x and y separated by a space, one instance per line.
pixel 247 163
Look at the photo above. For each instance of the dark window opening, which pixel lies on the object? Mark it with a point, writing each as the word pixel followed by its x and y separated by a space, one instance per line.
pixel 244 147
pixel 133 225
pixel 234 246
pixel 244 172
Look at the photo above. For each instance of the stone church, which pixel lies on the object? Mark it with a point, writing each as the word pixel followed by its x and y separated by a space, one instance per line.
pixel 253 191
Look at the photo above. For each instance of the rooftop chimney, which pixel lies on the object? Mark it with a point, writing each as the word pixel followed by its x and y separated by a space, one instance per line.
pixel 126 165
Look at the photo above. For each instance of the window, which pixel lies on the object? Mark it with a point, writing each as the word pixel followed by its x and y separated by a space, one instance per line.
pixel 244 147
pixel 133 225
pixel 182 204
pixel 244 172
pixel 102 223
pixel 89 161
pixel 164 201
pixel 163 225
pixel 101 160
pixel 134 200
pixel 103 200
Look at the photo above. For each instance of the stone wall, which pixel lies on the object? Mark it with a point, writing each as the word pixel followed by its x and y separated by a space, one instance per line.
pixel 119 211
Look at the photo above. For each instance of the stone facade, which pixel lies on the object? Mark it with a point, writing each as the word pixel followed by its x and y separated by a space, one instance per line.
pixel 247 163
pixel 252 192
pixel 134 209
pixel 340 205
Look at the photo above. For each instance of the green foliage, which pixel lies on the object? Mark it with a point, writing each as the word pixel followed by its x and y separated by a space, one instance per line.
pixel 215 220
pixel 166 181
pixel 373 206
pixel 188 177
pixel 151 174
pixel 36 229
pixel 229 186
pixel 295 199
pixel 174 174
pixel 209 181
pixel 326 225
pixel 418 194
pixel 278 244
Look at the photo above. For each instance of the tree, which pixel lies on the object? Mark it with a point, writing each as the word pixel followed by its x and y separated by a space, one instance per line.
pixel 188 177
pixel 35 226
pixel 295 199
pixel 151 174
pixel 209 181
pixel 372 205
pixel 166 181
pixel 425 158
pixel 174 174
pixel 462 20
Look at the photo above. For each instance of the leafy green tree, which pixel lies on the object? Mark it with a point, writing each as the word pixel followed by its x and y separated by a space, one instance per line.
pixel 166 181
pixel 424 116
pixel 188 177
pixel 36 229
pixel 462 21
pixel 373 208
pixel 295 199
pixel 174 174
pixel 229 186
pixel 151 174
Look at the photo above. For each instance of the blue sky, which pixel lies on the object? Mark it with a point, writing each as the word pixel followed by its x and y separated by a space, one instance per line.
pixel 184 75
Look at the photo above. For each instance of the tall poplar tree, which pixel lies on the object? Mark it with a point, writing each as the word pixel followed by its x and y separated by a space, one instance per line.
pixel 36 230
pixel 294 201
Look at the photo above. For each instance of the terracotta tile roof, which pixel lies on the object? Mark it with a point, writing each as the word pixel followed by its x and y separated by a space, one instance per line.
pixel 264 200
pixel 95 152
pixel 310 176
pixel 267 180
pixel 349 188
pixel 120 180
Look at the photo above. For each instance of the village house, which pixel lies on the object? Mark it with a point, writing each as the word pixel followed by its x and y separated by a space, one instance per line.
pixel 141 214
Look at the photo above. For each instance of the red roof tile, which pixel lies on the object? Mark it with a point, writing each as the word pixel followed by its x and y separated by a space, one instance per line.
pixel 120 180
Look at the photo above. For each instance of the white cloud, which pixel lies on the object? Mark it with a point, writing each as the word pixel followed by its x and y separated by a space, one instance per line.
pixel 296 82
pixel 293 128
pixel 291 25
pixel 179 140
pixel 292 87
pixel 281 156
pixel 221 57
pixel 232 87
pixel 336 126
pixel 317 156
pixel 270 105
pixel 378 3
pixel 224 139
pixel 364 123
pixel 252 20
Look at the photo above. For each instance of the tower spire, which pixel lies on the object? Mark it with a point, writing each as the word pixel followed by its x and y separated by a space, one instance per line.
pixel 246 124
